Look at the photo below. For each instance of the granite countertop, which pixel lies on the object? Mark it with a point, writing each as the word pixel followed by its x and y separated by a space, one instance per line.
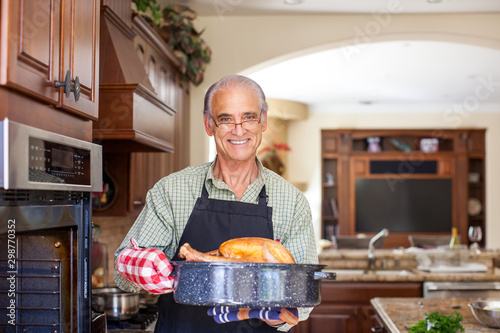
pixel 330 254
pixel 413 275
pixel 399 313
pixel 400 266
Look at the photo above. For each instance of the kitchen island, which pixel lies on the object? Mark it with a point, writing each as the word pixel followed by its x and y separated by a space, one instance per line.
pixel 398 314
pixel 345 303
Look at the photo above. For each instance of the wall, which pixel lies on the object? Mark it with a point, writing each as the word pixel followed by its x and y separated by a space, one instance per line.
pixel 113 231
pixel 244 44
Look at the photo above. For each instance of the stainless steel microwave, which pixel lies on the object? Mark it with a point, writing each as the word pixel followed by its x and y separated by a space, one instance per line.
pixel 35 159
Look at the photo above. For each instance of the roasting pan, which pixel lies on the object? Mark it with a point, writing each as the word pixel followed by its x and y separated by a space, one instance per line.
pixel 248 284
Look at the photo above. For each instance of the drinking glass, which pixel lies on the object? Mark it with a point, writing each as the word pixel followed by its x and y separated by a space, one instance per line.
pixel 475 236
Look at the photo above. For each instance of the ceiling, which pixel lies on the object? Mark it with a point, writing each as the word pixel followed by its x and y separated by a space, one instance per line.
pixel 272 7
pixel 385 73
pixel 403 72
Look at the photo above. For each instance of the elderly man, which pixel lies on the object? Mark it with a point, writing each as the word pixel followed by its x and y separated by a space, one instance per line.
pixel 233 196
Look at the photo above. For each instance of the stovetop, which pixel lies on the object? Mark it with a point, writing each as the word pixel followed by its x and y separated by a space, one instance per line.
pixel 144 321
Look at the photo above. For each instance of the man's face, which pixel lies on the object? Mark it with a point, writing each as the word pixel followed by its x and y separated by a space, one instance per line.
pixel 235 106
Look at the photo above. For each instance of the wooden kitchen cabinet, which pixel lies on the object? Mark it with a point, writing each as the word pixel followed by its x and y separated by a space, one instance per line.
pixel 456 168
pixel 45 41
pixel 345 306
pixel 144 108
pixel 476 185
pixel 140 87
pixel 135 173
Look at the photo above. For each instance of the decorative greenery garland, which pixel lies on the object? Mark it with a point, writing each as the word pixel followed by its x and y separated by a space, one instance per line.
pixel 175 25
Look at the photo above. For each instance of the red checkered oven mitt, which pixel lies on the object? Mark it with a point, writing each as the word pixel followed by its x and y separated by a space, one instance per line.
pixel 149 269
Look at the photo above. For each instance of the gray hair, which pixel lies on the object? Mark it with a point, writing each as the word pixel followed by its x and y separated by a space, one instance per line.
pixel 230 82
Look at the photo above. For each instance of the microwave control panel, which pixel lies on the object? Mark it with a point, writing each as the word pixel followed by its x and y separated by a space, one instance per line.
pixel 51 162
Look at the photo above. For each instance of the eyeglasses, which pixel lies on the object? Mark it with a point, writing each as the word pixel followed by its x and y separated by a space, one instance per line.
pixel 246 125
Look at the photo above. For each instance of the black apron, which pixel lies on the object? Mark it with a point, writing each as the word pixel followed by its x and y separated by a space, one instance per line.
pixel 211 223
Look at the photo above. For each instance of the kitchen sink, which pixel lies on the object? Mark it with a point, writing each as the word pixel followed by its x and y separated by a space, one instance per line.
pixel 346 271
pixel 393 272
pixel 363 271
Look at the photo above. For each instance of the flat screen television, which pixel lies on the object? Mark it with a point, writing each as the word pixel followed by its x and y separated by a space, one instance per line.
pixel 410 205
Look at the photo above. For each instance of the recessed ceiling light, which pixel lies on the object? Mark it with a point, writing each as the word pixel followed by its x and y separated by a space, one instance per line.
pixel 292 2
pixel 434 1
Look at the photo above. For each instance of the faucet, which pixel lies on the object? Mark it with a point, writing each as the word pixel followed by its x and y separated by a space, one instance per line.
pixel 371 247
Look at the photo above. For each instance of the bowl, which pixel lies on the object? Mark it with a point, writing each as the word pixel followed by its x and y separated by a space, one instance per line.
pixel 487 312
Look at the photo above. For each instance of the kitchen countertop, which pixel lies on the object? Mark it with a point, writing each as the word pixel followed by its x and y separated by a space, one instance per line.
pixel 399 313
pixel 414 275
pixel 400 266
pixel 401 254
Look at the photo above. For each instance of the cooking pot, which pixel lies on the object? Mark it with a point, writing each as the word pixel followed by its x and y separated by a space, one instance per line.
pixel 115 303
pixel 248 284
pixel 148 298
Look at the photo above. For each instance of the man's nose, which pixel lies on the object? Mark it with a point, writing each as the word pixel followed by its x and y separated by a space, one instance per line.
pixel 238 128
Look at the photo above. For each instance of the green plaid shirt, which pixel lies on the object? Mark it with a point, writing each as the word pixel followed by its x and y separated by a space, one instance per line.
pixel 170 202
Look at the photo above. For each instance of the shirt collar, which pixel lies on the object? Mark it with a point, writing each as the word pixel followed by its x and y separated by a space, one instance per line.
pixel 210 179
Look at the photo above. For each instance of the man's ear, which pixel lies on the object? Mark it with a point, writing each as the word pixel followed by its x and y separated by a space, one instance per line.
pixel 208 126
pixel 264 122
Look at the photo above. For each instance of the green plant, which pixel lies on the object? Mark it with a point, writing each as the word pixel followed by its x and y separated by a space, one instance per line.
pixel 180 34
pixel 177 29
pixel 437 322
pixel 154 9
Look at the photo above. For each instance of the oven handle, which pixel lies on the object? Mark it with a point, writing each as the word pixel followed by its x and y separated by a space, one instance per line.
pixel 464 287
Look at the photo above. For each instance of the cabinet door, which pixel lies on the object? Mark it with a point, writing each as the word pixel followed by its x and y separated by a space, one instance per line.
pixel 376 323
pixel 44 40
pixel 146 169
pixel 81 56
pixel 330 318
pixel 30 47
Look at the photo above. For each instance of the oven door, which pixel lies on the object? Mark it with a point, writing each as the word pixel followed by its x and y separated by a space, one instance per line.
pixel 44 287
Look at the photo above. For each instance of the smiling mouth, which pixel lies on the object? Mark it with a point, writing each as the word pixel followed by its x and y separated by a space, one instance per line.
pixel 238 142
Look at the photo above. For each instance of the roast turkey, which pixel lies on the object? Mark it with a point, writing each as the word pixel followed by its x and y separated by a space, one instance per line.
pixel 246 249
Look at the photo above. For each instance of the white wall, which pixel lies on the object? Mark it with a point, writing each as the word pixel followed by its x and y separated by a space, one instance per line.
pixel 244 44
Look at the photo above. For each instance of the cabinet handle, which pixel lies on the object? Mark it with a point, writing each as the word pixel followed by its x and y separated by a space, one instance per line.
pixel 66 84
pixel 376 329
pixel 76 89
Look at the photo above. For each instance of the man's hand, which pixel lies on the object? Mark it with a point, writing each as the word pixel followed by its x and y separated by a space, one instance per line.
pixel 149 269
pixel 275 322
pixel 272 316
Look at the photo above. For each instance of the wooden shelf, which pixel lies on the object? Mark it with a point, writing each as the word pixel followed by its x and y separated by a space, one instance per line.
pixel 345 156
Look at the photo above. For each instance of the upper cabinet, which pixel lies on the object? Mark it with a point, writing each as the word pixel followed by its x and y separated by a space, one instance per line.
pixel 49 51
pixel 140 90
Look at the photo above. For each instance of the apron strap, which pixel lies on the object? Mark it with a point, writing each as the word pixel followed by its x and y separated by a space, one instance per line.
pixel 263 198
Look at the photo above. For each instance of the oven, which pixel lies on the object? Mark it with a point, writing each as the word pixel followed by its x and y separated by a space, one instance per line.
pixel 45 229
